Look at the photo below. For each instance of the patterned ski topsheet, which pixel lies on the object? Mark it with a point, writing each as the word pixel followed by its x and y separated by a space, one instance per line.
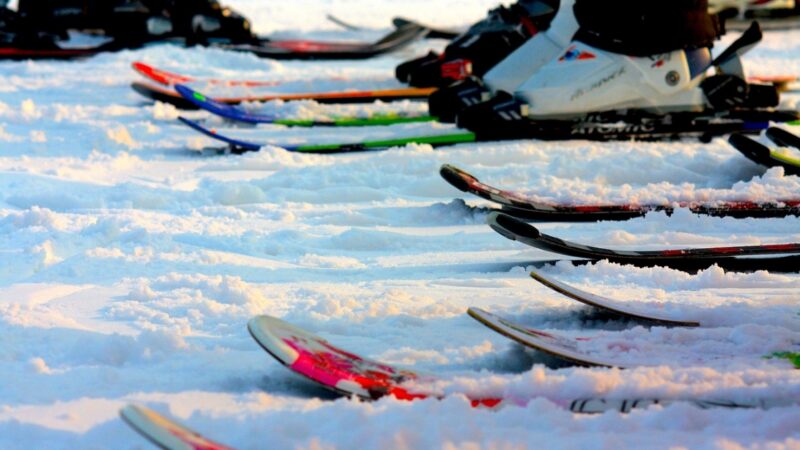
pixel 240 145
pixel 518 230
pixel 569 349
pixel 332 367
pixel 766 156
pixel 650 312
pixel 239 114
pixel 518 205
pixel 166 433
pixel 168 95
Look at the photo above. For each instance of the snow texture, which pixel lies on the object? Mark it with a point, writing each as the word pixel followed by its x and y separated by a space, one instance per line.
pixel 131 259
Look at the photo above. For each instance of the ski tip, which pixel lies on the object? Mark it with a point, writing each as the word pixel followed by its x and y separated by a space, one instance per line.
pixel 480 315
pixel 267 332
pixel 141 88
pixel 539 277
pixel 456 177
pixel 748 146
pixel 511 227
pixel 150 424
pixel 164 432
pixel 219 108
pixel 189 93
pixel 139 66
pixel 783 137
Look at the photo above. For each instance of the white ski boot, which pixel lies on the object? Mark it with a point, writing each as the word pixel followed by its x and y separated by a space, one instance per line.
pixel 591 93
pixel 518 67
pixel 512 71
pixel 586 79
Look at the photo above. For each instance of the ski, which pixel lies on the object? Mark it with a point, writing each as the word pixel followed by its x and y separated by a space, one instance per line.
pixel 763 155
pixel 23 54
pixel 518 205
pixel 166 78
pixel 777 257
pixel 164 432
pixel 239 114
pixel 433 32
pixel 574 350
pixel 331 367
pixel 167 95
pixel 767 23
pixel 241 146
pixel 616 126
pixel 783 83
pixel 351 375
pixel 344 24
pixel 633 310
pixel 783 137
pixel 305 49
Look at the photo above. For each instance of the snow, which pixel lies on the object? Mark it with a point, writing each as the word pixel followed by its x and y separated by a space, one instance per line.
pixel 130 264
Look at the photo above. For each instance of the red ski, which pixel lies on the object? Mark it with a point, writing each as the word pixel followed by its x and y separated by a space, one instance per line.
pixel 519 205
pixel 170 78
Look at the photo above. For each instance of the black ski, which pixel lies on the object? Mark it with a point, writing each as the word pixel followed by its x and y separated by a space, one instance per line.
pixel 775 257
pixel 763 155
pixel 398 22
pixel 301 49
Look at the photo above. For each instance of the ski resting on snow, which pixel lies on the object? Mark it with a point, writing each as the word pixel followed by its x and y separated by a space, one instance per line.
pixel 520 206
pixel 775 257
pixel 577 350
pixel 349 374
pixel 239 114
pixel 170 96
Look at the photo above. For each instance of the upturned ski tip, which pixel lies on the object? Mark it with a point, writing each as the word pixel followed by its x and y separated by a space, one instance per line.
pixel 456 177
pixel 511 227
pixel 164 432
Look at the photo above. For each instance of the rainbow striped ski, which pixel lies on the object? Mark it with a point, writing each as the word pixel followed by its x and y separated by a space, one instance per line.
pixel 241 146
pixel 239 114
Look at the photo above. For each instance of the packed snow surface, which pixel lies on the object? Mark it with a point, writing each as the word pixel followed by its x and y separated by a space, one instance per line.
pixel 132 257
